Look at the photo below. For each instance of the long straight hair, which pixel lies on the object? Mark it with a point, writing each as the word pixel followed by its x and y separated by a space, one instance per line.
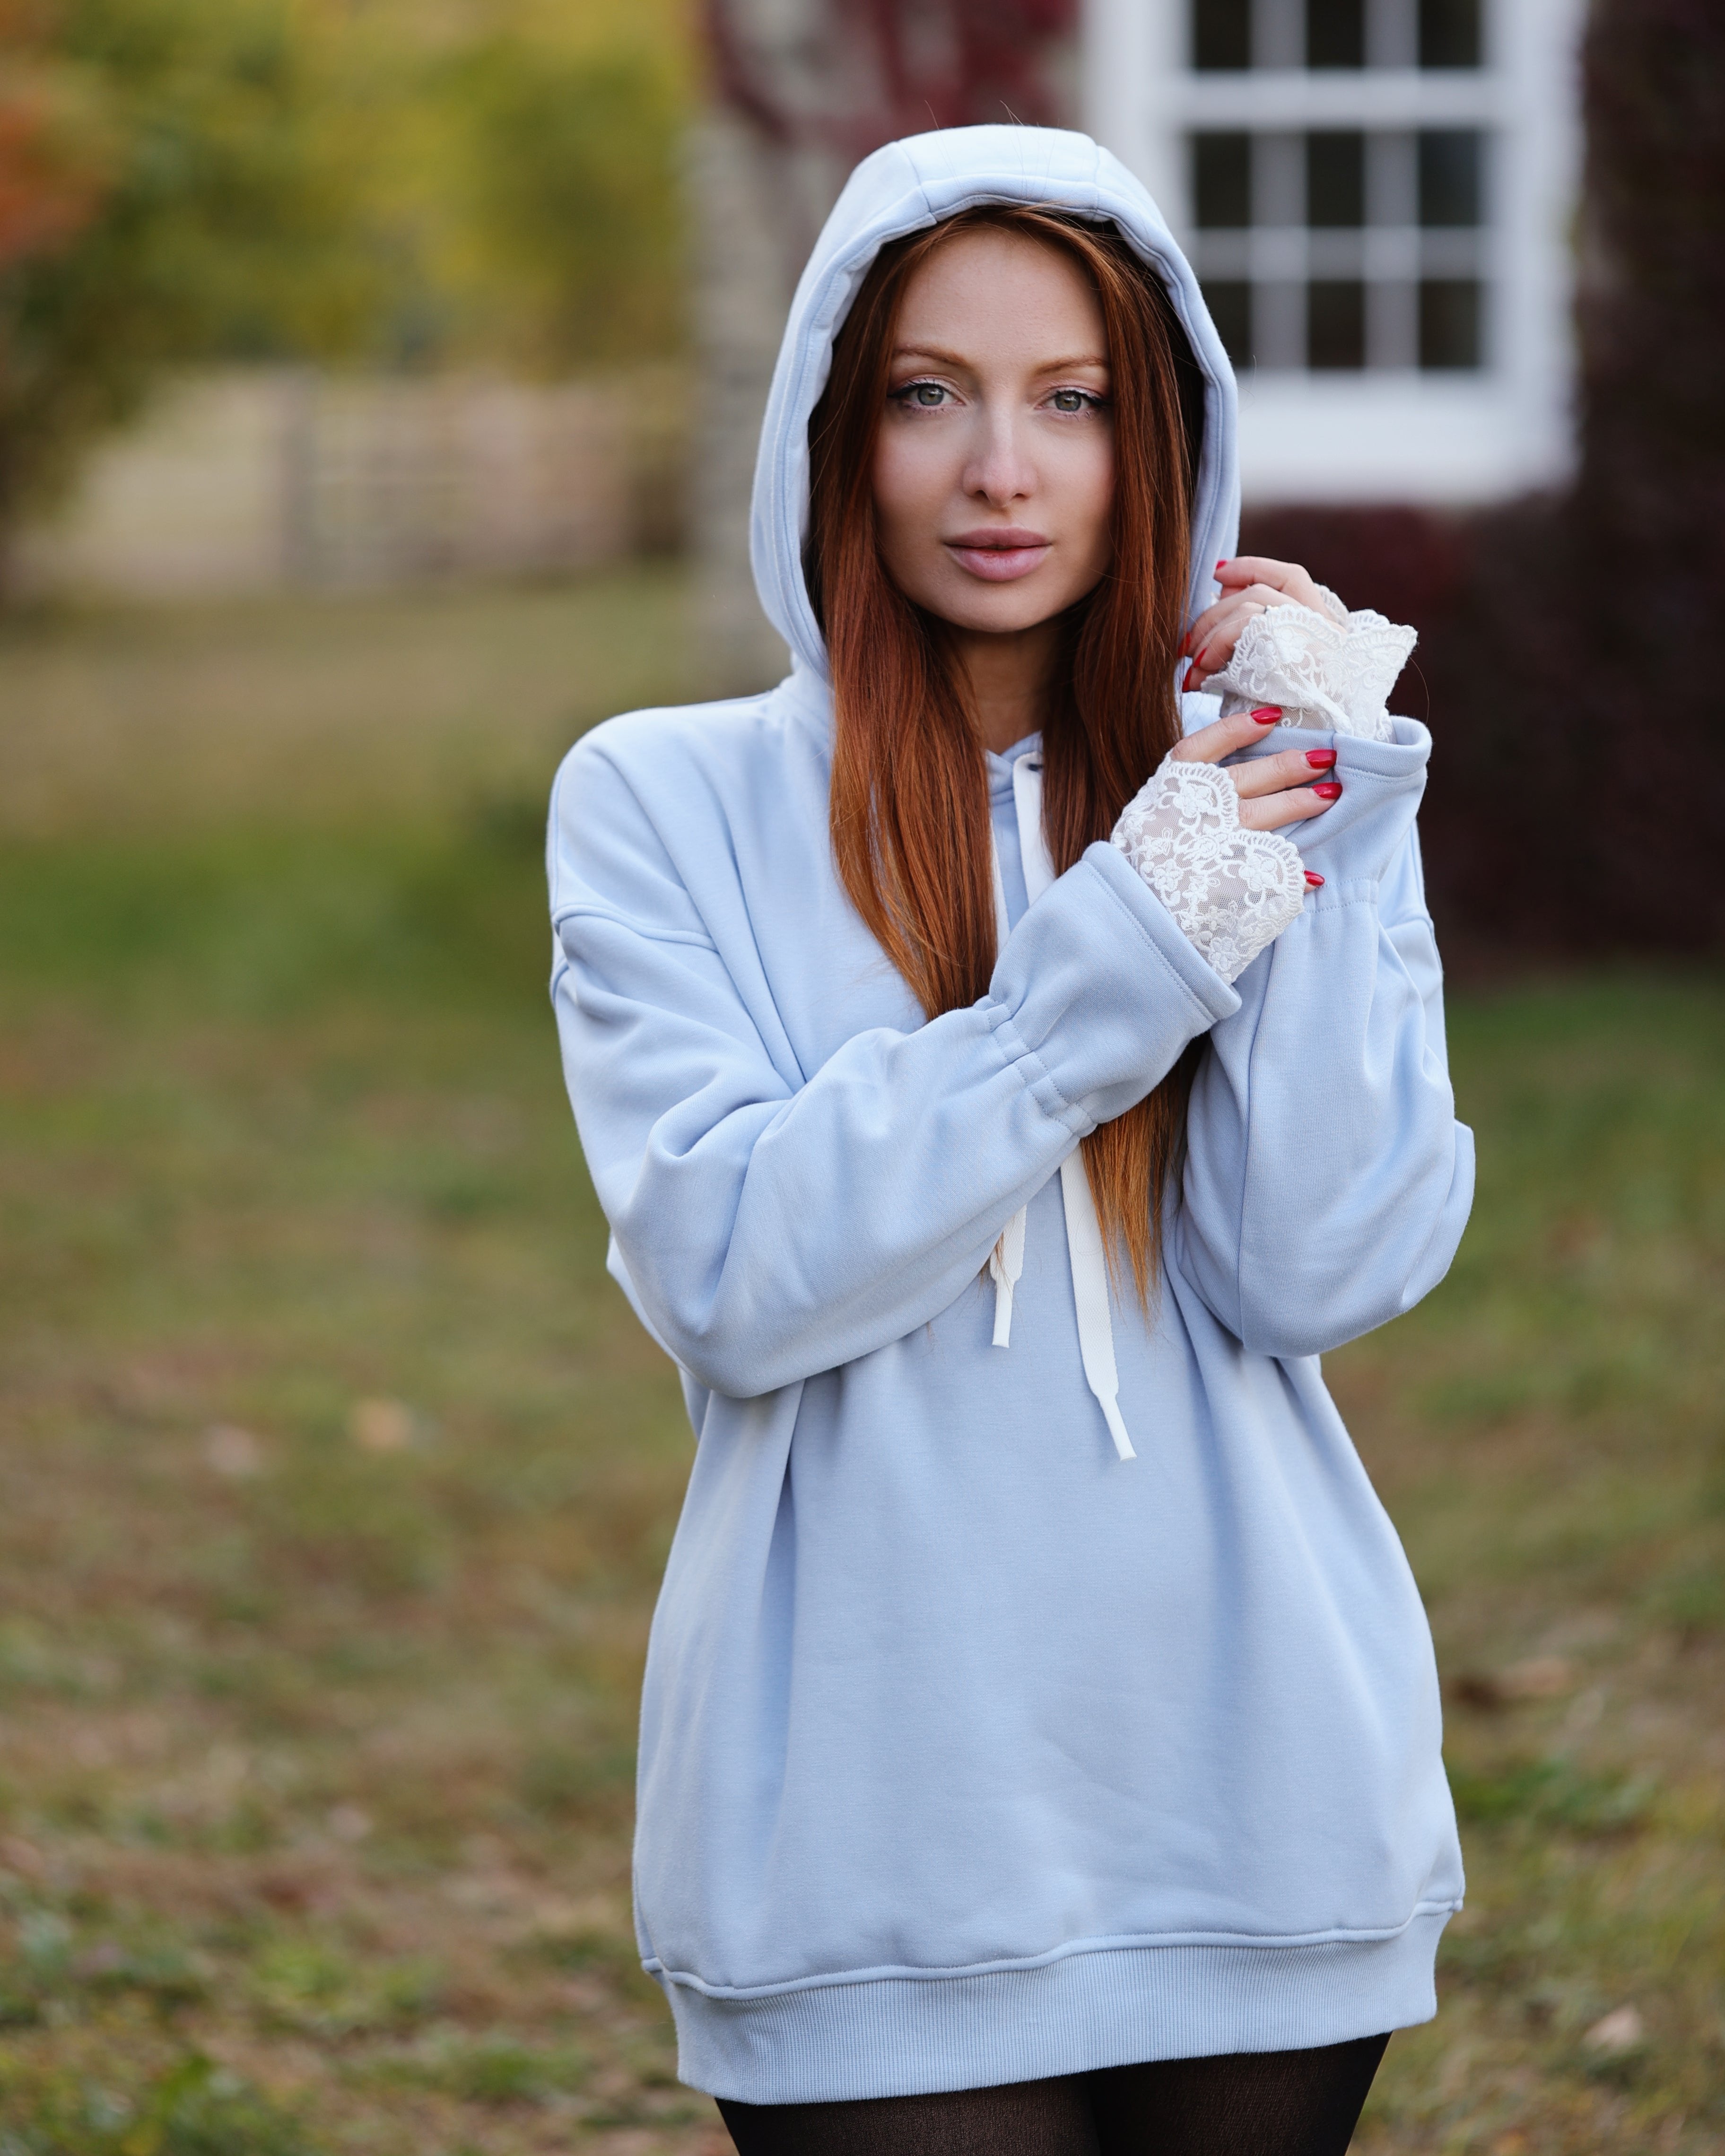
pixel 909 796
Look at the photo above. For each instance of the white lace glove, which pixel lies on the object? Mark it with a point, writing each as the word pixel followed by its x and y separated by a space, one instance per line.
pixel 1331 670
pixel 1232 891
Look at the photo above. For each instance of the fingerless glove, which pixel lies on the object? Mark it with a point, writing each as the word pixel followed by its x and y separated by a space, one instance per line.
pixel 1232 891
pixel 1333 670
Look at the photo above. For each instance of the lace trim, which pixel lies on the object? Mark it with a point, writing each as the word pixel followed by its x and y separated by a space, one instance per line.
pixel 1334 673
pixel 1232 892
pixel 1335 606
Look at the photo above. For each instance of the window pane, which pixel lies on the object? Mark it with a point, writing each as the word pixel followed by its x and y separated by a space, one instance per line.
pixel 1449 33
pixel 1335 33
pixel 1230 300
pixel 1335 179
pixel 1335 323
pixel 1222 181
pixel 1450 322
pixel 1449 176
pixel 1221 33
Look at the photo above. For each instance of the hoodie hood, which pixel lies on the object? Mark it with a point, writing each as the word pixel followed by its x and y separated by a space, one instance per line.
pixel 906 187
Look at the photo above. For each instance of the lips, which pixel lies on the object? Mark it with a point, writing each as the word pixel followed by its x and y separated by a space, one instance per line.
pixel 998 553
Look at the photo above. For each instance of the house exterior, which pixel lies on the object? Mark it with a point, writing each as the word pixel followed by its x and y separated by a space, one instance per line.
pixel 1379 197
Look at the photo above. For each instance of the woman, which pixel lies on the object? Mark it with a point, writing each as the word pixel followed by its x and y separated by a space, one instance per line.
pixel 999 1100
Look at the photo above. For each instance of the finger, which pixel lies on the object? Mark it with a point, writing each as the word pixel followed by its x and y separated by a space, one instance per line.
pixel 1254 597
pixel 1288 577
pixel 1275 809
pixel 1214 646
pixel 1276 774
pixel 1213 654
pixel 1222 737
pixel 1216 617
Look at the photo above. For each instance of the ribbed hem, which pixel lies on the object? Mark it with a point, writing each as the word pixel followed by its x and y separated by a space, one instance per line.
pixel 1113 2006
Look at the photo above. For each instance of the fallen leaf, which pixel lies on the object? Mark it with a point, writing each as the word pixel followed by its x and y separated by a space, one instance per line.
pixel 230 1450
pixel 347 1822
pixel 381 1425
pixel 1476 1688
pixel 1541 1677
pixel 1620 2031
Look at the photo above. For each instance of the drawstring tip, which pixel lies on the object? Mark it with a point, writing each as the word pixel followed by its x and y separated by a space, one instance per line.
pixel 1117 1430
pixel 1006 1261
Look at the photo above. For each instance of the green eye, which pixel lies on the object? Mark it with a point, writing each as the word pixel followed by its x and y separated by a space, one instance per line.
pixel 1069 400
pixel 926 395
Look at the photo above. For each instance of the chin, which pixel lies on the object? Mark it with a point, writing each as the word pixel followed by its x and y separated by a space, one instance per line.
pixel 997 610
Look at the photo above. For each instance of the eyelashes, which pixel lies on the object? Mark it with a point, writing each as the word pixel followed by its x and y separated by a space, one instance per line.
pixel 915 396
pixel 909 394
pixel 1087 400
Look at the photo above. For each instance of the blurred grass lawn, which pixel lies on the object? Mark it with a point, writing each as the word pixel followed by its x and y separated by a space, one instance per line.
pixel 335 1478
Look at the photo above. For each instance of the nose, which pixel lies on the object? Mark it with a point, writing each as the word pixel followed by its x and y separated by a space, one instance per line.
pixel 999 471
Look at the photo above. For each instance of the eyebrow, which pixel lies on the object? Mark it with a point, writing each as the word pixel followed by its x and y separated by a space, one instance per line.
pixel 939 352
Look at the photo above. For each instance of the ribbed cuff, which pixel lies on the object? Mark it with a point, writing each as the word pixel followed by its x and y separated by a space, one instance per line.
pixel 1105 2007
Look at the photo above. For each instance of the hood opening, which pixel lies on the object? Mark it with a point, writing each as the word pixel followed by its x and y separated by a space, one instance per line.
pixel 907 187
pixel 1191 383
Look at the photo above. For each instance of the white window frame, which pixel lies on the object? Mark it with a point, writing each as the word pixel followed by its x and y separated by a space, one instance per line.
pixel 1388 434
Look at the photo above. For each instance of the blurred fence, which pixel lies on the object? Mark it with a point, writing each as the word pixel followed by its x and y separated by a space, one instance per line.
pixel 259 479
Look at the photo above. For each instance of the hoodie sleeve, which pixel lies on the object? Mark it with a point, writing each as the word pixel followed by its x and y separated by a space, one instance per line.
pixel 1327 1181
pixel 774 1224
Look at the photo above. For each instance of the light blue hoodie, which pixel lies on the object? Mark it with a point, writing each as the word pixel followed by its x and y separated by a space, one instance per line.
pixel 971 1752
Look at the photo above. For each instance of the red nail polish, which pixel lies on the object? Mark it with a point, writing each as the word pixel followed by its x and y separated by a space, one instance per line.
pixel 1267 715
pixel 1220 566
pixel 1315 882
pixel 1185 643
pixel 1329 791
pixel 1321 759
pixel 1186 686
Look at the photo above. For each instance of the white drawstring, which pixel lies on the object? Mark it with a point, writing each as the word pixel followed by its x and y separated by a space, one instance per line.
pixel 1006 1261
pixel 1090 1292
pixel 1084 1233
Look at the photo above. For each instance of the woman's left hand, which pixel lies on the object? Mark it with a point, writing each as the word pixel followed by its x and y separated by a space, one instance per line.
pixel 1249 583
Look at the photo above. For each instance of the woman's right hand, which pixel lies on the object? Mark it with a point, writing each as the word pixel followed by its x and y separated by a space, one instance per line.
pixel 1274 790
pixel 1208 839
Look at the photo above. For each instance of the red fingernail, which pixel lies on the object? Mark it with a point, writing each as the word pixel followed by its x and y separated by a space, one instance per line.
pixel 1186 686
pixel 1315 882
pixel 1185 643
pixel 1221 565
pixel 1267 715
pixel 1329 791
pixel 1321 759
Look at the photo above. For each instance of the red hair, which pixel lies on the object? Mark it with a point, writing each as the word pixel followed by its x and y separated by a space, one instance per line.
pixel 909 796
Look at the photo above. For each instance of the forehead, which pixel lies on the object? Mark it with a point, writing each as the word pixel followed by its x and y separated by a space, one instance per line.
pixel 1000 288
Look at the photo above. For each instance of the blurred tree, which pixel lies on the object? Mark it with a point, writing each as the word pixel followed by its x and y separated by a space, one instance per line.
pixel 567 227
pixel 175 177
pixel 491 181
pixel 526 191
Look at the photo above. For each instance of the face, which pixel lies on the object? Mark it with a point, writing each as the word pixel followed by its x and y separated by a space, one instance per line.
pixel 994 467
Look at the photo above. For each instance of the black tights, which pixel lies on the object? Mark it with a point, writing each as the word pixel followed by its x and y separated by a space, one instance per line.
pixel 1251 2103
